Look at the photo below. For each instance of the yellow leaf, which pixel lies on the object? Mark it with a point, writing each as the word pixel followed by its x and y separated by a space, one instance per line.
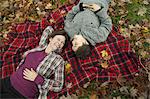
pixel 107 57
pixel 48 6
pixel 30 1
pixel 145 29
pixel 52 20
pixel 104 53
pixel 104 64
pixel 68 68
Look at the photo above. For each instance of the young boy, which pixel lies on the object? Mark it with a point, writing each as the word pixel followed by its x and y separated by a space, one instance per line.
pixel 90 20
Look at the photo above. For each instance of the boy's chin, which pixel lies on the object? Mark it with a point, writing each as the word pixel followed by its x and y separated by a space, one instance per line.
pixel 74 49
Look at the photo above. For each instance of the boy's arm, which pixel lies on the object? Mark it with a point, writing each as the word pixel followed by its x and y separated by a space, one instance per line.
pixel 72 13
pixel 97 35
pixel 70 27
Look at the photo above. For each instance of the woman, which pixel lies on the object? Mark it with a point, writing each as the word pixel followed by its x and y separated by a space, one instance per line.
pixel 41 70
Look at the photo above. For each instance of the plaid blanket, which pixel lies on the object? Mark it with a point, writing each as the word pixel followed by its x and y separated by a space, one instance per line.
pixel 109 59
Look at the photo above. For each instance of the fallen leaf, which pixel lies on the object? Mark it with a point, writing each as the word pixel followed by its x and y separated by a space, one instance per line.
pixel 124 89
pixel 104 53
pixel 145 2
pixel 145 29
pixel 93 96
pixel 133 92
pixel 86 85
pixel 48 6
pixel 5 4
pixel 69 85
pixel 142 11
pixel 107 57
pixel 68 68
pixel 104 64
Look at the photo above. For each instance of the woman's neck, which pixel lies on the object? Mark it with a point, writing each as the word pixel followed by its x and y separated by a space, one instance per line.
pixel 48 49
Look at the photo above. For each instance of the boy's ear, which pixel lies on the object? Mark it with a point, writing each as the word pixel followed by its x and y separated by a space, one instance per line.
pixel 50 39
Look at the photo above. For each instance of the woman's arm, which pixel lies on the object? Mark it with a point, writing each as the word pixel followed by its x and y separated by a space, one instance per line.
pixel 55 84
pixel 48 30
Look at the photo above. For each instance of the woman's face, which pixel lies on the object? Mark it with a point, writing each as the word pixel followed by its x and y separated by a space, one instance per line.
pixel 57 42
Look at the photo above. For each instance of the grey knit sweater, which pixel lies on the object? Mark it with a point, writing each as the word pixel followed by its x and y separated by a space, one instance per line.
pixel 95 27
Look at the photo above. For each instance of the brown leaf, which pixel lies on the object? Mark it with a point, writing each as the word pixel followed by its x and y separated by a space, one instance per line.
pixel 104 64
pixel 86 85
pixel 142 11
pixel 93 96
pixel 48 6
pixel 121 80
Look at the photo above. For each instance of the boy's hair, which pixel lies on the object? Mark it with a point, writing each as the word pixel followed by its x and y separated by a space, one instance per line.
pixel 60 32
pixel 83 51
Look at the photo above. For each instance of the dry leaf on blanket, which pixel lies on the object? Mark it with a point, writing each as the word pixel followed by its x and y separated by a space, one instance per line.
pixel 107 57
pixel 52 21
pixel 104 64
pixel 93 96
pixel 86 85
pixel 68 68
pixel 104 53
pixel 142 11
pixel 69 85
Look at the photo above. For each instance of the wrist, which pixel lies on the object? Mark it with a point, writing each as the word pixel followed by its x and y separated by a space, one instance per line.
pixel 81 7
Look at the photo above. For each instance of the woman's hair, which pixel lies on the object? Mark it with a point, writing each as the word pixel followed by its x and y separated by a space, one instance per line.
pixel 60 32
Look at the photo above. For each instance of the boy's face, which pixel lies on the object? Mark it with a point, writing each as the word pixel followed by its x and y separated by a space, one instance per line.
pixel 57 42
pixel 77 42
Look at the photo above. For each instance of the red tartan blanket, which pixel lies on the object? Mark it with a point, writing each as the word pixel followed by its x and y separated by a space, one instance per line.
pixel 109 59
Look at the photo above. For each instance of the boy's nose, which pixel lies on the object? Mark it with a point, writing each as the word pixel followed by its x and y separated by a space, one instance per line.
pixel 59 44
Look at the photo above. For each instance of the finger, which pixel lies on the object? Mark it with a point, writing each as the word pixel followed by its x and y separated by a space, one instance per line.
pixel 26 78
pixel 25 74
pixel 28 70
pixel 32 70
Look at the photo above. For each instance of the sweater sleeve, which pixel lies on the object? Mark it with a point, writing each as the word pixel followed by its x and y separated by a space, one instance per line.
pixel 55 84
pixel 70 27
pixel 97 35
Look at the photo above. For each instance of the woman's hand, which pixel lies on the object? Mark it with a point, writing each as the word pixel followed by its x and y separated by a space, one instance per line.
pixel 29 74
pixel 93 7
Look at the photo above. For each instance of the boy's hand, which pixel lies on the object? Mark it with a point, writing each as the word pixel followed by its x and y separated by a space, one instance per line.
pixel 93 7
pixel 29 74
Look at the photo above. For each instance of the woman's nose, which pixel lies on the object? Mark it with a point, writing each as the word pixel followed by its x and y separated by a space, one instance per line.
pixel 59 44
